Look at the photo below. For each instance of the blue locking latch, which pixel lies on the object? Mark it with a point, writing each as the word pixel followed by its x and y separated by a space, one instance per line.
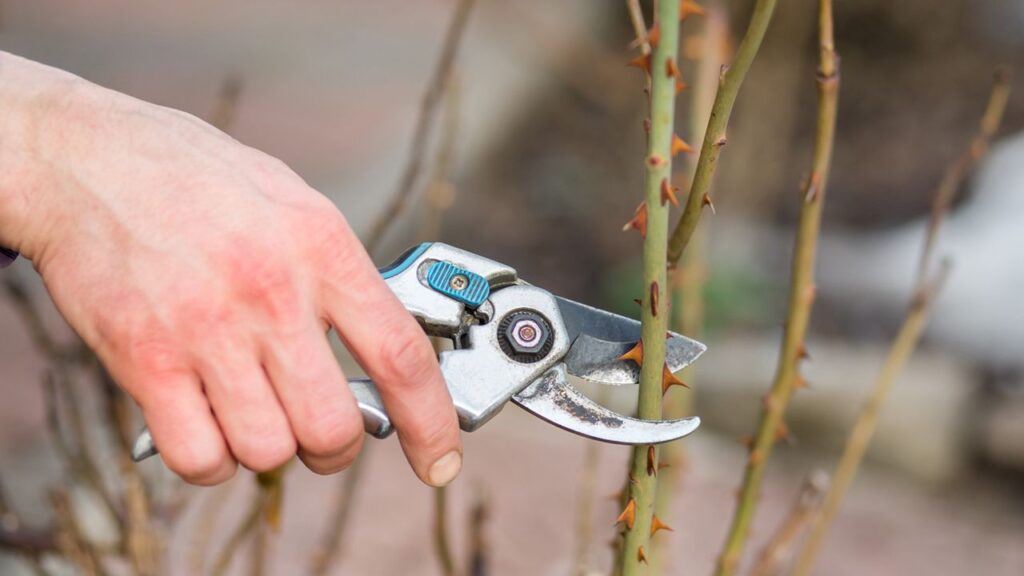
pixel 458 283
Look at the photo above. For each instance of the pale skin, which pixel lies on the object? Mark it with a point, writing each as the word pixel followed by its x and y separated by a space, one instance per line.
pixel 204 274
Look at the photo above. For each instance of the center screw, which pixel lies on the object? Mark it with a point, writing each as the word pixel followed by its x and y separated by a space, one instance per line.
pixel 525 336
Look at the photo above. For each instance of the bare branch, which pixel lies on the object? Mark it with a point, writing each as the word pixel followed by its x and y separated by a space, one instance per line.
pixel 780 547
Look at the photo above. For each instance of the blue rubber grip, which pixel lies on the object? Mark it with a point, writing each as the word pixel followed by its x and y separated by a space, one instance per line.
pixel 458 283
pixel 404 261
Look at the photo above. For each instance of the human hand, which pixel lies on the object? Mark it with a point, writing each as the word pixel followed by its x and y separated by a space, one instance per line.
pixel 204 274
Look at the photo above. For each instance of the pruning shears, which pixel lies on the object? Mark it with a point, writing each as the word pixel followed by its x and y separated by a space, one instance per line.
pixel 514 341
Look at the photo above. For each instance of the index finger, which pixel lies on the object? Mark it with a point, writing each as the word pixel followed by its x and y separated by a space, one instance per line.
pixel 388 342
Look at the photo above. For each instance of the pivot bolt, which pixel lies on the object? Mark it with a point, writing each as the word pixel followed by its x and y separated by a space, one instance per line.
pixel 525 336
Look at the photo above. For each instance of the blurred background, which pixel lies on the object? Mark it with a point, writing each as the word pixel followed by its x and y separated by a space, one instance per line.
pixel 544 122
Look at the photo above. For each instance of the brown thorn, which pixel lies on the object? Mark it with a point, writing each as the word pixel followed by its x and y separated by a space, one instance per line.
pixel 680 86
pixel 628 515
pixel 668 380
pixel 802 352
pixel 707 202
pixel 782 432
pixel 639 221
pixel 670 68
pixel 659 525
pixel 653 35
pixel 635 354
pixel 668 193
pixel 654 299
pixel 679 145
pixel 647 125
pixel 652 465
pixel 642 62
pixel 746 441
pixel 689 7
pixel 638 301
pixel 655 161
pixel 640 556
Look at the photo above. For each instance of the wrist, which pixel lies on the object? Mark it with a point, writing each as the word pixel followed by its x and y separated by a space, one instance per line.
pixel 36 100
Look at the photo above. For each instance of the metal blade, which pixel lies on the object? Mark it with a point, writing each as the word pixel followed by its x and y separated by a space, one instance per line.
pixel 552 398
pixel 598 360
pixel 601 337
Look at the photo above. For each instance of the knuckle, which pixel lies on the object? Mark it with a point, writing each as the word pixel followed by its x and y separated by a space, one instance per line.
pixel 406 359
pixel 330 433
pixel 265 453
pixel 333 464
pixel 200 463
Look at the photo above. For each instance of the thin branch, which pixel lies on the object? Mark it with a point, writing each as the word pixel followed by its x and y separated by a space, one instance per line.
pixel 780 547
pixel 801 299
pixel 690 277
pixel 243 532
pixel 442 544
pixel 663 69
pixel 479 546
pixel 715 135
pixel 962 166
pixel 70 540
pixel 328 554
pixel 225 108
pixel 909 334
pixel 636 18
pixel 428 111
pixel 441 191
pixel 215 501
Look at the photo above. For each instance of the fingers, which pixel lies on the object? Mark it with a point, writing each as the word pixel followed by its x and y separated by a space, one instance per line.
pixel 184 429
pixel 245 405
pixel 396 354
pixel 314 393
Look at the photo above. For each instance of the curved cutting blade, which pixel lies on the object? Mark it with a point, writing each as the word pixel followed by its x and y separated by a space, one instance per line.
pixel 598 361
pixel 554 399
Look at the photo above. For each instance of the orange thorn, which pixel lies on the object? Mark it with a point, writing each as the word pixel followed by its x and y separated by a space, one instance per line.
pixel 639 221
pixel 707 202
pixel 642 62
pixel 636 353
pixel 659 525
pixel 800 383
pixel 654 299
pixel 653 35
pixel 680 86
pixel 802 352
pixel 640 556
pixel 688 7
pixel 668 193
pixel 782 432
pixel 668 380
pixel 746 441
pixel 670 68
pixel 628 515
pixel 679 145
pixel 652 467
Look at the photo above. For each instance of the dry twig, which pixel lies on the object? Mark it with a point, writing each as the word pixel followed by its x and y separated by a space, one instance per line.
pixel 801 299
pixel 807 503
pixel 715 135
pixel 926 289
pixel 428 111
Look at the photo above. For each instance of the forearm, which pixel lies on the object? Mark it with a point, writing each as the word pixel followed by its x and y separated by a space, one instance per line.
pixel 34 100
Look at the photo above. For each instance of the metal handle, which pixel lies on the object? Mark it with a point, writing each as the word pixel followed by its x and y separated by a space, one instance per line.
pixel 375 418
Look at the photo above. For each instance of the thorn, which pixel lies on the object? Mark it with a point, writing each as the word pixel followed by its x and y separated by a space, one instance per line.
pixel 670 68
pixel 652 457
pixel 800 383
pixel 639 221
pixel 688 7
pixel 647 125
pixel 782 432
pixel 636 353
pixel 668 193
pixel 813 186
pixel 653 35
pixel 640 556
pixel 746 441
pixel 659 525
pixel 654 299
pixel 617 496
pixel 662 465
pixel 679 145
pixel 668 380
pixel 642 62
pixel 638 301
pixel 707 202
pixel 680 86
pixel 802 352
pixel 632 479
pixel 655 161
pixel 722 141
pixel 628 515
